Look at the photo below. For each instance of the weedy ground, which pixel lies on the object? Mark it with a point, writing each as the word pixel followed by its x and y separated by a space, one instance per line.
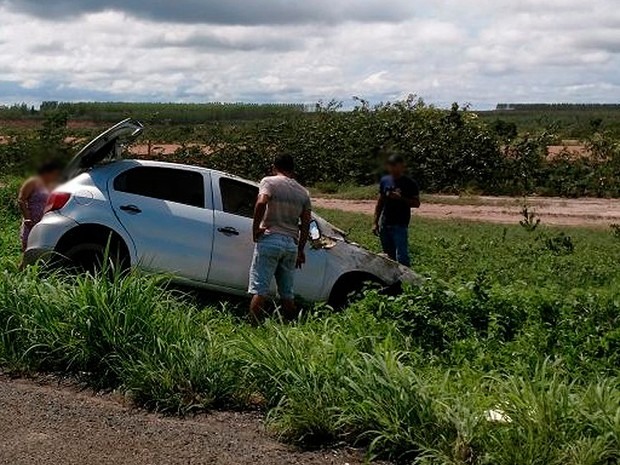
pixel 509 354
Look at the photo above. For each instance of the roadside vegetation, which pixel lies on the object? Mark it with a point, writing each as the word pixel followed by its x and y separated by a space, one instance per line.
pixel 453 151
pixel 509 354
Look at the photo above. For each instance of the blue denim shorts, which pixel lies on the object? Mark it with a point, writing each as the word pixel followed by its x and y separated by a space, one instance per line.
pixel 275 256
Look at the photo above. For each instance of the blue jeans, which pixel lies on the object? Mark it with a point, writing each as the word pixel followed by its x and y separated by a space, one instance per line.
pixel 275 255
pixel 395 243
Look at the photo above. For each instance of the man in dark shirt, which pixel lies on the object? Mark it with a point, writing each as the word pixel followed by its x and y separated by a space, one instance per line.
pixel 398 194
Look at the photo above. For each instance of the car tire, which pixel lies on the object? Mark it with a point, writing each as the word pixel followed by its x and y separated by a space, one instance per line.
pixel 93 258
pixel 349 287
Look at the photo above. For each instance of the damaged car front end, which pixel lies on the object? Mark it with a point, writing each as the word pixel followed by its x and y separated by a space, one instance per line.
pixel 351 267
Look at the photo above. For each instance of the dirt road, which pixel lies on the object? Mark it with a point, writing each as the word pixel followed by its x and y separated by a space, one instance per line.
pixel 44 423
pixel 503 210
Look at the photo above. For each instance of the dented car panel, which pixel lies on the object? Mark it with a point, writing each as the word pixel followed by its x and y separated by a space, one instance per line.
pixel 350 258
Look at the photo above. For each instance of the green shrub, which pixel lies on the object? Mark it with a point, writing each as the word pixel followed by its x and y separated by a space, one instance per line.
pixel 447 151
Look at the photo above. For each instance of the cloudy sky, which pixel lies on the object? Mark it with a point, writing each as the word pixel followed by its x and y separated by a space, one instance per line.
pixel 471 51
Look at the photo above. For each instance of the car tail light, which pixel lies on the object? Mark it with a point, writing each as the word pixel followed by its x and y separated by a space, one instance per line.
pixel 56 201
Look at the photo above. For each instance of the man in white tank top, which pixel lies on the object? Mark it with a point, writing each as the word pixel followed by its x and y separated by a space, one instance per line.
pixel 281 226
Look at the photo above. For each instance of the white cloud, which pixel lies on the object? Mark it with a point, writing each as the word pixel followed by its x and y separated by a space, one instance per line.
pixel 478 51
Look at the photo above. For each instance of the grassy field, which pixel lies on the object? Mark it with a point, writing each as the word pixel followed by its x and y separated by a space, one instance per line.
pixel 509 354
pixel 461 252
pixel 348 192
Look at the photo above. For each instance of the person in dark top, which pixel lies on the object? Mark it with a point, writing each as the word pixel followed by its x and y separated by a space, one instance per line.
pixel 398 194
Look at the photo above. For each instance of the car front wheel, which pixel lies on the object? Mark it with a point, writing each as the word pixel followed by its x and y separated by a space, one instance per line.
pixel 350 286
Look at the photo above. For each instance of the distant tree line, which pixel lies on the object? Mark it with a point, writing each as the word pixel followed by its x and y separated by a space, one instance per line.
pixel 565 121
pixel 155 113
pixel 557 106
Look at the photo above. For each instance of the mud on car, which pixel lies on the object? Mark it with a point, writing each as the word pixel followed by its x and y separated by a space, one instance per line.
pixel 190 222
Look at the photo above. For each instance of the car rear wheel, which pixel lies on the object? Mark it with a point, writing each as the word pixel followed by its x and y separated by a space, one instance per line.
pixel 93 250
pixel 94 258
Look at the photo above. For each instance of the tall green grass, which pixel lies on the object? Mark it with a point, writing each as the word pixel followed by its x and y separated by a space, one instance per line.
pixel 9 222
pixel 371 376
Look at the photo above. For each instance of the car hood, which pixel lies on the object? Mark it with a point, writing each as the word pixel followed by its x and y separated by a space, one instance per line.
pixel 358 258
pixel 107 146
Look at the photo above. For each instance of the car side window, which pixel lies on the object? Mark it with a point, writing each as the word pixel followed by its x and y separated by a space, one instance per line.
pixel 238 198
pixel 174 185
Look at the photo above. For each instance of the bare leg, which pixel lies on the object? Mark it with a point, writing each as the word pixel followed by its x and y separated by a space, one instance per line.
pixel 289 309
pixel 257 308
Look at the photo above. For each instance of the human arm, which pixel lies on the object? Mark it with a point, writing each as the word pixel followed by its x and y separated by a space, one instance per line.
pixel 259 213
pixel 414 194
pixel 410 194
pixel 25 192
pixel 378 212
pixel 304 233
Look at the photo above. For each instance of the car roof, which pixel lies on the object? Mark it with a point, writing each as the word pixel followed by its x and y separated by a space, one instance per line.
pixel 165 164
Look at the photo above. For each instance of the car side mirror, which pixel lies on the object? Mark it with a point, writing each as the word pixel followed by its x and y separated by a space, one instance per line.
pixel 315 231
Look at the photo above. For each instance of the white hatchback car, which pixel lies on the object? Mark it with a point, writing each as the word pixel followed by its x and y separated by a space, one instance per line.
pixel 190 222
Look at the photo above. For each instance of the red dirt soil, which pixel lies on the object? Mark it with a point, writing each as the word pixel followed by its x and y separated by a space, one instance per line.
pixel 157 149
pixel 572 151
pixel 503 210
pixel 37 123
pixel 50 423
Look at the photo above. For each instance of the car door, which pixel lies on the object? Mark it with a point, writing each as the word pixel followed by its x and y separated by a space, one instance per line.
pixel 167 212
pixel 233 245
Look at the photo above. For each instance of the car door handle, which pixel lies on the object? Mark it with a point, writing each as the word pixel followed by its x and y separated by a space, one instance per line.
pixel 228 231
pixel 131 209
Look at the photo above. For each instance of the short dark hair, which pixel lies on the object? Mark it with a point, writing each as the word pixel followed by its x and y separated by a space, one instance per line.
pixel 48 167
pixel 284 163
pixel 394 160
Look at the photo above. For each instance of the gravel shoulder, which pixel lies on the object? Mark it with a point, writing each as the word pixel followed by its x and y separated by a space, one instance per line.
pixel 503 210
pixel 44 422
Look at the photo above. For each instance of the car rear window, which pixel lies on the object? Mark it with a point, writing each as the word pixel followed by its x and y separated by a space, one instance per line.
pixel 238 198
pixel 175 185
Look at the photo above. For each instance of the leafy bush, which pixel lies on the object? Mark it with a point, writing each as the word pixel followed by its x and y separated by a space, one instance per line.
pixel 446 150
pixel 24 152
pixel 560 244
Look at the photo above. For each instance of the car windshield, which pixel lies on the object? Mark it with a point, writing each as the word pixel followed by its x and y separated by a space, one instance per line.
pixel 327 229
